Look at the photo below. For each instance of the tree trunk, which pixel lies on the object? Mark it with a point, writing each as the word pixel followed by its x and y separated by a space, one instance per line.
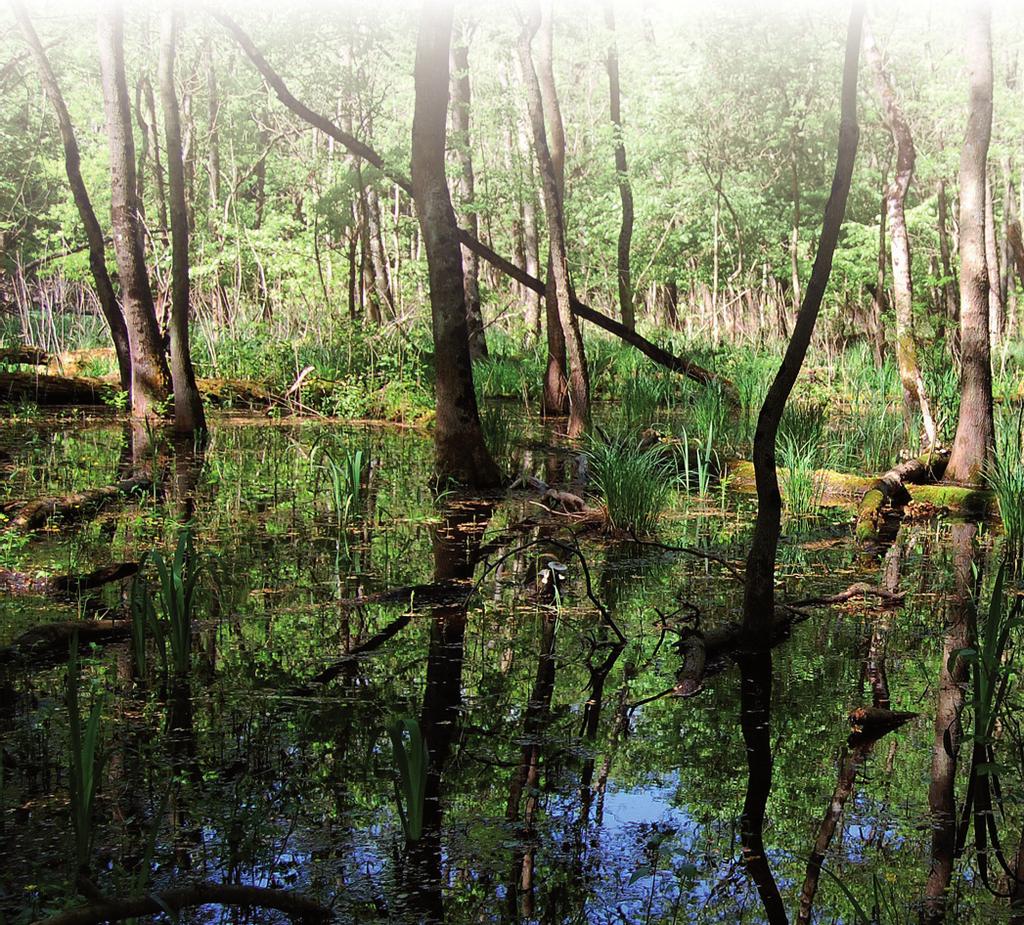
pixel 995 297
pixel 531 245
pixel 949 286
pixel 556 377
pixel 759 586
pixel 878 295
pixel 213 154
pixel 794 237
pixel 150 376
pixel 903 292
pixel 625 189
pixel 93 233
pixel 188 405
pixel 975 433
pixel 550 173
pixel 461 101
pixel 378 259
pixel 458 440
pixel 146 111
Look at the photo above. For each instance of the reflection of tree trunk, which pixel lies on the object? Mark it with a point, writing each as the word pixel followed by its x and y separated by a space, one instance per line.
pixel 755 718
pixel 456 542
pixel 952 680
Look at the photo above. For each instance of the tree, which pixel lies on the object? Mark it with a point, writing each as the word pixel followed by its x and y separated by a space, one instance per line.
pixel 461 102
pixel 150 376
pixel 975 432
pixel 551 173
pixel 460 451
pixel 188 405
pixel 93 233
pixel 914 394
pixel 625 189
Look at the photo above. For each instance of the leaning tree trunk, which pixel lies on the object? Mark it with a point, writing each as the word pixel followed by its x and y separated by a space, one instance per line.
pixel 461 101
pixel 458 440
pixel 579 384
pixel 625 189
pixel 899 241
pixel 188 406
pixel 975 432
pixel 759 586
pixel 150 376
pixel 93 233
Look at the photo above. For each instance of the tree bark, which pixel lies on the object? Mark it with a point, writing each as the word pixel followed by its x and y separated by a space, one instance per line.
pixel 759 586
pixel 94 234
pixel 461 101
pixel 878 295
pixel 949 286
pixel 975 433
pixel 531 245
pixel 996 305
pixel 150 376
pixel 625 189
pixel 460 451
pixel 551 163
pixel 903 291
pixel 146 111
pixel 188 405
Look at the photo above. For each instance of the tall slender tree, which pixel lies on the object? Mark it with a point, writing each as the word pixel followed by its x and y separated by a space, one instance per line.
pixel 975 432
pixel 914 393
pixel 552 183
pixel 465 186
pixel 150 376
pixel 460 451
pixel 93 232
pixel 188 405
pixel 625 188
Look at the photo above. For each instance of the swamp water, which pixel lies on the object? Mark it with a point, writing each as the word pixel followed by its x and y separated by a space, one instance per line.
pixel 561 785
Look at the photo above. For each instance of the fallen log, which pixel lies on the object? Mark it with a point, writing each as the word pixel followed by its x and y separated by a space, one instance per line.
pixel 867 724
pixel 843 488
pixel 891 490
pixel 78 506
pixel 64 586
pixel 44 389
pixel 52 640
pixel 202 894
pixel 23 356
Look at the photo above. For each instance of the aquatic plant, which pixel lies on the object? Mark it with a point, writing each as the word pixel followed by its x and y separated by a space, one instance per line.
pixel 700 461
pixel 501 433
pixel 412 761
pixel 802 487
pixel 631 479
pixel 1006 478
pixel 344 476
pixel 177 594
pixel 85 758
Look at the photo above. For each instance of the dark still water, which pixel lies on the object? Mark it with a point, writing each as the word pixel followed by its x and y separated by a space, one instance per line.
pixel 550 773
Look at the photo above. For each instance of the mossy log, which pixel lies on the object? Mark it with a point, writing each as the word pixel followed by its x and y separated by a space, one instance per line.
pixel 891 489
pixel 44 389
pixel 844 488
pixel 23 356
pixel 32 515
